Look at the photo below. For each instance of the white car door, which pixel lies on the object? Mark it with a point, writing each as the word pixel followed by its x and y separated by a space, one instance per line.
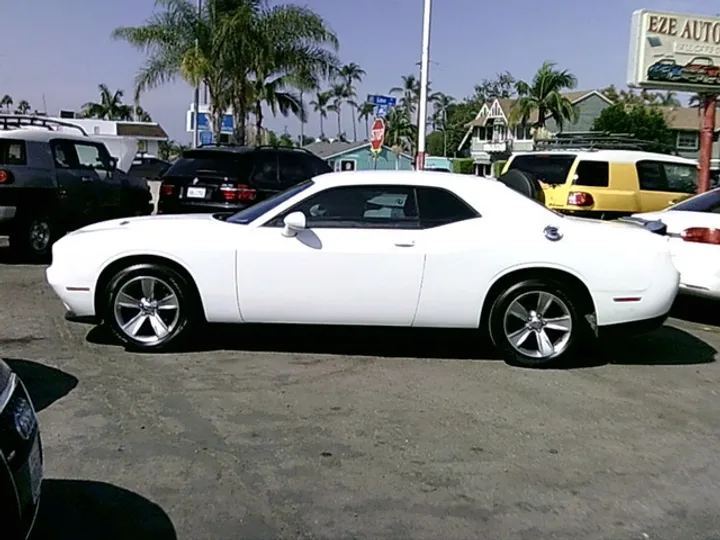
pixel 359 261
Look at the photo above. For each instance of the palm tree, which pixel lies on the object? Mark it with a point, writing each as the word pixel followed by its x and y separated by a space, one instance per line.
pixel 6 102
pixel 23 107
pixel 367 111
pixel 409 93
pixel 349 74
pixel 110 106
pixel 141 115
pixel 180 42
pixel 321 105
pixel 273 93
pixel 544 98
pixel 442 102
pixel 339 94
pixel 399 130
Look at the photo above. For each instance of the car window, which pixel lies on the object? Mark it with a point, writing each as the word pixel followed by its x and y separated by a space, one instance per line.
pixel 669 177
pixel 64 154
pixel 251 213
pixel 706 202
pixel 293 169
pixel 359 207
pixel 208 163
pixel 592 174
pixel 90 156
pixel 12 152
pixel 440 207
pixel 317 166
pixel 264 169
pixel 548 168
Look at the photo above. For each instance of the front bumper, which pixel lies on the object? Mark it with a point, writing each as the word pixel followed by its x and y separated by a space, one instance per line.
pixel 22 458
pixel 77 295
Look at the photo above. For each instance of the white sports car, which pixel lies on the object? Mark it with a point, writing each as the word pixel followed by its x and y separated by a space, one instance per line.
pixel 694 230
pixel 380 248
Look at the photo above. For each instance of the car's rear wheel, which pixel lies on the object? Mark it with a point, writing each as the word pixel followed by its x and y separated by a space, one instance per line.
pixel 150 307
pixel 537 323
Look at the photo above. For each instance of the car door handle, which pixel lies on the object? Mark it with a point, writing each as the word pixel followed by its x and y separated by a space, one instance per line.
pixel 86 179
pixel 405 243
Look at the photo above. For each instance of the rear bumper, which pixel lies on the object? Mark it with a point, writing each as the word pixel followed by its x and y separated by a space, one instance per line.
pixel 699 267
pixel 632 328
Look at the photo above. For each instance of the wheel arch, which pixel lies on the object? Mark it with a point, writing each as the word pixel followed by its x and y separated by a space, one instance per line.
pixel 114 266
pixel 575 283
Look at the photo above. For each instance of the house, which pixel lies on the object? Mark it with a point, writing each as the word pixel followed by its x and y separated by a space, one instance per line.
pixel 492 139
pixel 357 156
pixel 149 135
pixel 685 123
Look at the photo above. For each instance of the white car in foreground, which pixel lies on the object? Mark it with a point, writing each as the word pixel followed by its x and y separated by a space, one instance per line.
pixel 694 230
pixel 380 248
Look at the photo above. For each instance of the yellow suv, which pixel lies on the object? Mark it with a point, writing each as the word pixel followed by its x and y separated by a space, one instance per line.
pixel 607 184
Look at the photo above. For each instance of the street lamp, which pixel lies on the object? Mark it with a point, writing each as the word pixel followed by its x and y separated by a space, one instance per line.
pixel 424 78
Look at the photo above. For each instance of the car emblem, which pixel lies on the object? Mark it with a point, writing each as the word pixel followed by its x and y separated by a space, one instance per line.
pixel 552 233
pixel 195 181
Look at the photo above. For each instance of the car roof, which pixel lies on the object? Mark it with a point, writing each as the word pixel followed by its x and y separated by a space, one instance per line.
pixel 40 135
pixel 617 156
pixel 245 149
pixel 452 181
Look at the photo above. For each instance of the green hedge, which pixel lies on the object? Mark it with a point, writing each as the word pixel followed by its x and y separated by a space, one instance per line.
pixel 498 167
pixel 463 166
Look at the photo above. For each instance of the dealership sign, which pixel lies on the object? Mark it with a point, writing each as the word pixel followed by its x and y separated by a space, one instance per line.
pixel 674 51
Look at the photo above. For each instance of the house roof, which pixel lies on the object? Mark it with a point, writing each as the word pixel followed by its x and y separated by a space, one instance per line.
pixel 328 150
pixel 141 130
pixel 685 118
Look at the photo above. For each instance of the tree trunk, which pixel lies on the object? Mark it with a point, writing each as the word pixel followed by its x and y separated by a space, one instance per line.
pixel 339 134
pixel 302 120
pixel 367 128
pixel 240 116
pixel 354 113
pixel 258 124
pixel 322 131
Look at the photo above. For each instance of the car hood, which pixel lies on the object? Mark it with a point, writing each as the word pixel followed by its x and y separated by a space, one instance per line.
pixel 148 224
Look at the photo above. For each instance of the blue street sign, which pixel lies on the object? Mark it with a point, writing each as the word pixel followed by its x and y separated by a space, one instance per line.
pixel 204 123
pixel 206 137
pixel 388 101
pixel 381 111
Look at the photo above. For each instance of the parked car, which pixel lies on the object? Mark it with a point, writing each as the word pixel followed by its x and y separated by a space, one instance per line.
pixel 694 235
pixel 21 457
pixel 148 167
pixel 228 178
pixel 53 181
pixel 381 248
pixel 607 184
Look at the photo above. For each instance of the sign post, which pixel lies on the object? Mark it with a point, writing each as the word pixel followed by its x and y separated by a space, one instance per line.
pixel 679 52
pixel 377 138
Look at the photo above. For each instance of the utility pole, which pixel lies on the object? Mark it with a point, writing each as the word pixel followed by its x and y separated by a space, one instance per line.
pixel 424 68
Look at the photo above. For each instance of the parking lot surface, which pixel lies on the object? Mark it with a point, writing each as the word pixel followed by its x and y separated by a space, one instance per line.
pixel 265 433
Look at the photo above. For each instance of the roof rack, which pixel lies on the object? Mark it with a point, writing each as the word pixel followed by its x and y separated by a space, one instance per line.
pixel 252 147
pixel 603 140
pixel 19 121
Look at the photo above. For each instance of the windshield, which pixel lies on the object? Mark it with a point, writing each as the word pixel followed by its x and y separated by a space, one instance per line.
pixel 548 168
pixel 251 213
pixel 707 202
pixel 204 162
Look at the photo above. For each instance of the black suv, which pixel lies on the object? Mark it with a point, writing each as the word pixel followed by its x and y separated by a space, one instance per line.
pixel 52 182
pixel 219 178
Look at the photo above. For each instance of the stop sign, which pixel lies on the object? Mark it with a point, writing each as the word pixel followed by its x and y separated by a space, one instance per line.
pixel 377 135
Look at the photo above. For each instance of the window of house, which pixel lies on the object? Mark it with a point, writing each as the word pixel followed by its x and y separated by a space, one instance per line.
pixel 522 132
pixel 592 173
pixel 687 140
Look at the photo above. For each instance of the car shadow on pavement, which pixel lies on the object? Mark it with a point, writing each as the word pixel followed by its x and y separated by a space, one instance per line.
pixel 697 310
pixel 75 509
pixel 9 256
pixel 665 346
pixel 45 384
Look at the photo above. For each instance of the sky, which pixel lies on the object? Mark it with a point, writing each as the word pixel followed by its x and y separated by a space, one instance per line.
pixel 60 50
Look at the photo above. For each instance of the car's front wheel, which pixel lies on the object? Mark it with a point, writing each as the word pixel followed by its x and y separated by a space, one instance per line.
pixel 537 323
pixel 150 307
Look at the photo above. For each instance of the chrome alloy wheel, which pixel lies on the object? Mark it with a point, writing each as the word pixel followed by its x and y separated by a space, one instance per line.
pixel 39 235
pixel 538 325
pixel 146 309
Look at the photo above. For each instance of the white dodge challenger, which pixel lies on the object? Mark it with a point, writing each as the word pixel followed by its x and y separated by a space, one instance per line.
pixel 376 248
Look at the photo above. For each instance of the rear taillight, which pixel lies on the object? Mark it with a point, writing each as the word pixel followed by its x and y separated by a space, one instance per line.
pixel 239 192
pixel 6 177
pixel 580 198
pixel 166 190
pixel 701 235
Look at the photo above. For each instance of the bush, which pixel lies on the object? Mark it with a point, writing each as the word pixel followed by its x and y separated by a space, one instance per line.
pixel 463 166
pixel 497 168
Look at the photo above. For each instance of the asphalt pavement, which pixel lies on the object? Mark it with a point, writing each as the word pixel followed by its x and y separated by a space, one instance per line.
pixel 305 433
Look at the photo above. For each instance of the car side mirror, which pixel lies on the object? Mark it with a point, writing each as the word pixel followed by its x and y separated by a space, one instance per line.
pixel 294 223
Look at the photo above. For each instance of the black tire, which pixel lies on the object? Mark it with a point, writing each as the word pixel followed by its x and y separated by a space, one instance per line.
pixel 501 324
pixel 167 281
pixel 524 183
pixel 34 236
